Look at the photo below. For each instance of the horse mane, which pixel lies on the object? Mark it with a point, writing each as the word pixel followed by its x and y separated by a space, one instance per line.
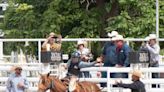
pixel 53 83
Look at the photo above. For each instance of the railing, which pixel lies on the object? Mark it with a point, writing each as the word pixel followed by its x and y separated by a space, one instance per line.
pixel 148 80
pixel 36 67
pixel 128 40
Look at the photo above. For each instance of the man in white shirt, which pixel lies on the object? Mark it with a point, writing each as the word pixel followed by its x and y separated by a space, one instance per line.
pixel 154 50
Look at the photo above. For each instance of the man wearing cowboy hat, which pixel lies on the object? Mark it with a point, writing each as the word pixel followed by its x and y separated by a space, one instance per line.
pixel 53 42
pixel 154 50
pixel 16 82
pixel 109 54
pixel 122 50
pixel 137 85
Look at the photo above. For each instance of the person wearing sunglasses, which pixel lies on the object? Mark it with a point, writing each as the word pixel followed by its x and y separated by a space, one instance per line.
pixel 16 82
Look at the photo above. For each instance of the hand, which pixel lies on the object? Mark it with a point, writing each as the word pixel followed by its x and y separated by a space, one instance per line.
pixel 117 65
pixel 49 37
pixel 118 81
pixel 98 60
pixel 20 85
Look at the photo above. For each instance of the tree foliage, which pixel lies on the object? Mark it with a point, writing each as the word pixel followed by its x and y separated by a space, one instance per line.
pixel 81 18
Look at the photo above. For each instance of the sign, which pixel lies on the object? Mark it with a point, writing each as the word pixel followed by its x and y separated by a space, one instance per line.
pixel 139 57
pixel 143 57
pixel 51 56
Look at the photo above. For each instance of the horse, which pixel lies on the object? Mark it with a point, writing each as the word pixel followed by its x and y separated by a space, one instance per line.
pixel 54 84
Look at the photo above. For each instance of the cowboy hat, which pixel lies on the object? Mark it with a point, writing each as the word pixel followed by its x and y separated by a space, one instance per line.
pixel 52 34
pixel 119 37
pixel 147 38
pixel 18 67
pixel 137 73
pixel 81 42
pixel 152 36
pixel 113 34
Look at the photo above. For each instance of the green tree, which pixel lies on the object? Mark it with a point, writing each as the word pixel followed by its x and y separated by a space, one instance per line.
pixel 81 18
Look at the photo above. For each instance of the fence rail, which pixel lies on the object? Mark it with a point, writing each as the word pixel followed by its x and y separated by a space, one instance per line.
pixel 110 81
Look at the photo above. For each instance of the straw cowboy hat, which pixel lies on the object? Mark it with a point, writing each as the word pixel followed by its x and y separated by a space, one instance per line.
pixel 52 34
pixel 82 42
pixel 113 34
pixel 152 36
pixel 136 73
pixel 18 67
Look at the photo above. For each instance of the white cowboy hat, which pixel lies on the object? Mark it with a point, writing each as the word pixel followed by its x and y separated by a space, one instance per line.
pixel 137 73
pixel 152 36
pixel 80 42
pixel 112 34
pixel 119 37
pixel 114 38
pixel 147 38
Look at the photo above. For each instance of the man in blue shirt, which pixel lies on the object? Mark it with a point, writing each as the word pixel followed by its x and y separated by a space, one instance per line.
pixel 16 82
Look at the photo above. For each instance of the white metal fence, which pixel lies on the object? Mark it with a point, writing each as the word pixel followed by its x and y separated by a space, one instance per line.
pixel 32 69
pixel 147 79
pixel 128 40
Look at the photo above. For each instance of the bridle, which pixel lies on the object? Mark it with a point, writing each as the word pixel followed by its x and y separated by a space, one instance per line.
pixel 50 86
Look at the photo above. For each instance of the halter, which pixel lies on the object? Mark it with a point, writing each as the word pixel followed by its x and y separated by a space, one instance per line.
pixel 51 86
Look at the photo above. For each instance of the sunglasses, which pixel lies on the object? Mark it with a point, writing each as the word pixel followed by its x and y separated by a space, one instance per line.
pixel 19 69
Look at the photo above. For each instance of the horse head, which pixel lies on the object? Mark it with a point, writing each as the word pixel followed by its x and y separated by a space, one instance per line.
pixel 51 82
pixel 45 82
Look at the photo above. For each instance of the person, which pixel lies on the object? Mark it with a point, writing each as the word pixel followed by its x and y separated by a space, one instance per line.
pixel 84 52
pixel 75 64
pixel 154 50
pixel 121 53
pixel 52 43
pixel 137 85
pixel 85 55
pixel 16 82
pixel 109 55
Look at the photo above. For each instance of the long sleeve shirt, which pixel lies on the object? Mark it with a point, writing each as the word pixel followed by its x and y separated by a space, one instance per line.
pixel 136 86
pixel 154 52
pixel 13 81
pixel 86 52
pixel 82 64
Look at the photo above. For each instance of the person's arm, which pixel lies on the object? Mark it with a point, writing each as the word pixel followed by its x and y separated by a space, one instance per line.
pixel 155 50
pixel 126 52
pixel 86 64
pixel 8 85
pixel 131 86
pixel 26 83
pixel 46 41
pixel 68 63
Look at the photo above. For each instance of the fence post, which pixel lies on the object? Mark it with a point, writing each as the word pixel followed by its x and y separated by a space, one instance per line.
pixel 108 80
pixel 39 51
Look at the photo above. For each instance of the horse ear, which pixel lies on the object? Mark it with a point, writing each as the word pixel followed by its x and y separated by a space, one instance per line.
pixel 39 73
pixel 48 74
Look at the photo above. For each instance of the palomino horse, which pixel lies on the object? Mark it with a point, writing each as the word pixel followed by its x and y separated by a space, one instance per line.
pixel 54 84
